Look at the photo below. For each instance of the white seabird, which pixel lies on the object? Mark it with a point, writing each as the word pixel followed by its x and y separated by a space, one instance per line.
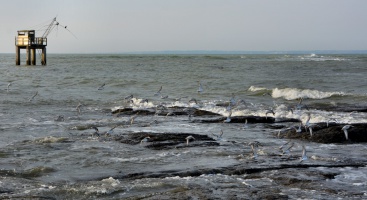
pixel 146 139
pixel 102 86
pixel 304 154
pixel 345 129
pixel 8 87
pixel 254 146
pixel 200 90
pixel 132 118
pixel 127 98
pixel 232 101
pixel 109 132
pixel 60 118
pixel 299 129
pixel 78 108
pixel 159 91
pixel 307 121
pixel 188 138
pixel 96 131
pixel 310 127
pixel 270 111
pixel 245 126
pixel 287 150
pixel 331 120
pixel 219 137
pixel 31 99
pixel 228 117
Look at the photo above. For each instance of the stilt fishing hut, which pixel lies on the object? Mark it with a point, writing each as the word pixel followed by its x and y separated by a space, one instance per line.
pixel 27 39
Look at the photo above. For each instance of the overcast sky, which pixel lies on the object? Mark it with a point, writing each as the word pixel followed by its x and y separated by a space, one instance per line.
pixel 118 26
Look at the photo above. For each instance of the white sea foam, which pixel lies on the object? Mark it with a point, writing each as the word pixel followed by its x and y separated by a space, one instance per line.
pixel 134 159
pixel 319 116
pixel 256 89
pixel 295 93
pixel 349 175
pixel 51 139
pixel 235 112
pixel 315 157
pixel 140 103
pixel 315 57
pixel 113 182
pixel 117 108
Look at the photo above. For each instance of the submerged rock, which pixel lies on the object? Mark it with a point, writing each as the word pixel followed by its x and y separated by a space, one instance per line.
pixel 122 110
pixel 159 141
pixel 251 170
pixel 130 111
pixel 163 111
pixel 348 108
pixel 29 173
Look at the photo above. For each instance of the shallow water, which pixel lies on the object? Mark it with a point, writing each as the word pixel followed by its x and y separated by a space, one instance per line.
pixel 42 157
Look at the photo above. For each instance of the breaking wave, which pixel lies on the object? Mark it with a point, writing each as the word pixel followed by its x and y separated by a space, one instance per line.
pixel 256 89
pixel 315 57
pixel 295 93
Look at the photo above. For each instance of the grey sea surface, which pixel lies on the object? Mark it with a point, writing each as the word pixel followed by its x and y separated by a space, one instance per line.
pixel 50 150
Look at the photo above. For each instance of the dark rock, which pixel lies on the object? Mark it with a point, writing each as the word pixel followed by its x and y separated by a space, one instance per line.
pixel 237 119
pixel 239 170
pixel 331 134
pixel 274 196
pixel 164 111
pixel 159 141
pixel 329 175
pixel 134 112
pixel 198 112
pixel 30 173
pixel 342 108
pixel 5 190
pixel 223 104
pixel 37 172
pixel 122 110
pixel 282 120
pixel 334 134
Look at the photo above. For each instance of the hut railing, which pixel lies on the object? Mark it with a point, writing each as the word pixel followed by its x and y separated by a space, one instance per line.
pixel 26 41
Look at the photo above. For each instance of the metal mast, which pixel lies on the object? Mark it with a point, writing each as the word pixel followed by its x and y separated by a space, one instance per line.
pixel 50 27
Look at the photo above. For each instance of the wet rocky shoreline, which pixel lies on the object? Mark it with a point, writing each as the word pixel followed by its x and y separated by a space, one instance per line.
pixel 321 132
pixel 275 177
pixel 295 174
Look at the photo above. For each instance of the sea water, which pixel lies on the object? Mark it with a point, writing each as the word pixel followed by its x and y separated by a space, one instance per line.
pixel 42 157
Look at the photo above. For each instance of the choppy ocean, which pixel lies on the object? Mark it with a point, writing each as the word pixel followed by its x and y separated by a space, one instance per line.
pixel 50 147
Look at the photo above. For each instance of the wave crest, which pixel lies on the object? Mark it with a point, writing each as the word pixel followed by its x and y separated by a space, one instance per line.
pixel 256 89
pixel 315 57
pixel 295 93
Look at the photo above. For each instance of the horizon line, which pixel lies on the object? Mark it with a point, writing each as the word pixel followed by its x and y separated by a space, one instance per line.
pixel 225 52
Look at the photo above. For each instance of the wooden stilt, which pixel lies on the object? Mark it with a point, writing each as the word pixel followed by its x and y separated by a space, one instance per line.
pixel 17 55
pixel 33 59
pixel 28 56
pixel 44 56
